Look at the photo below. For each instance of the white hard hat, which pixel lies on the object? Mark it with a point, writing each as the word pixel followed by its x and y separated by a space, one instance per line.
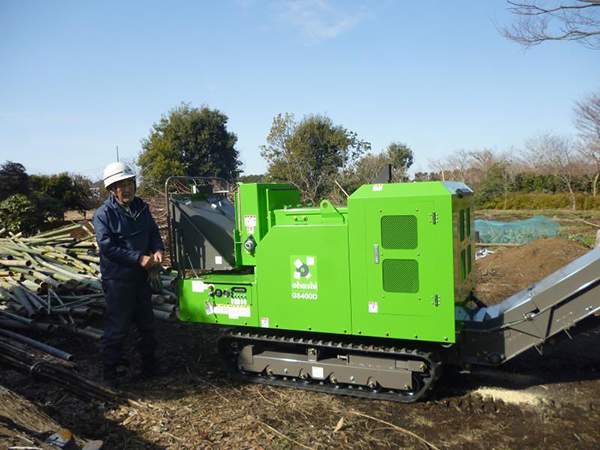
pixel 117 171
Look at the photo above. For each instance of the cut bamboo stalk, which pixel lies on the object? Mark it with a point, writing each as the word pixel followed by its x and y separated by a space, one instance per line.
pixel 19 293
pixel 94 333
pixel 158 299
pixel 24 270
pixel 23 248
pixel 15 317
pixel 40 276
pixel 168 307
pixel 38 326
pixel 20 310
pixel 11 252
pixel 23 303
pixel 83 297
pixel 58 231
pixel 34 299
pixel 94 259
pixel 15 262
pixel 85 244
pixel 30 285
pixel 68 259
pixel 58 371
pixel 163 315
pixel 47 348
pixel 168 294
pixel 62 270
pixel 69 281
pixel 76 310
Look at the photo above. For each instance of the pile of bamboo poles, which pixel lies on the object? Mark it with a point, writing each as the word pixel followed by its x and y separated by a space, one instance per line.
pixel 52 281
pixel 49 363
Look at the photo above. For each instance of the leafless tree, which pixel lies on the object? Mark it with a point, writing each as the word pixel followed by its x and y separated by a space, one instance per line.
pixel 483 161
pixel 555 155
pixel 587 121
pixel 455 167
pixel 549 20
pixel 471 167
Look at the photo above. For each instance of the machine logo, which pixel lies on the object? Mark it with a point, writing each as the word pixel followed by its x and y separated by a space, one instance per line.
pixel 304 277
pixel 302 270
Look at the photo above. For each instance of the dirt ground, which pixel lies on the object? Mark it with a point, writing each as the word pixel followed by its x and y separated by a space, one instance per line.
pixel 510 270
pixel 545 401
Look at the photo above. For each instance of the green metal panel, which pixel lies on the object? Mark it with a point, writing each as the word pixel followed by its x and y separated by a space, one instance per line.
pixel 254 205
pixel 235 306
pixel 401 248
pixel 303 271
pixel 392 264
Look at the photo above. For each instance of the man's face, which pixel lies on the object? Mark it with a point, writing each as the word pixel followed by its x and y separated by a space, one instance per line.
pixel 124 190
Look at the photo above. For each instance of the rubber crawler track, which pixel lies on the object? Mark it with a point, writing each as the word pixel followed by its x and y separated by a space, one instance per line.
pixel 282 341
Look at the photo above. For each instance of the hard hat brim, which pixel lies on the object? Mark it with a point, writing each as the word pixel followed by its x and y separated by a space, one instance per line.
pixel 115 178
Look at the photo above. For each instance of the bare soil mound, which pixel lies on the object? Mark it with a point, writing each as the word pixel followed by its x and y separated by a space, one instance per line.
pixel 512 269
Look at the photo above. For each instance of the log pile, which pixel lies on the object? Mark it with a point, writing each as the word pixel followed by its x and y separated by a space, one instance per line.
pixel 49 363
pixel 52 281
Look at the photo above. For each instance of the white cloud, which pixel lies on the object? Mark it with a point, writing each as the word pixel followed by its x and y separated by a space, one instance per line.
pixel 316 19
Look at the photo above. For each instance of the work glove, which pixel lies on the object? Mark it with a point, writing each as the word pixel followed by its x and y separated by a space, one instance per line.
pixel 154 278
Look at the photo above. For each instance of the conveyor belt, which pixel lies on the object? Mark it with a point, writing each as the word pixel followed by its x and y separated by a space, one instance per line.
pixel 564 302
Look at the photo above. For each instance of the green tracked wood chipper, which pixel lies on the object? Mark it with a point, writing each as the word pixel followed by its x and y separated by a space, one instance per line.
pixel 368 300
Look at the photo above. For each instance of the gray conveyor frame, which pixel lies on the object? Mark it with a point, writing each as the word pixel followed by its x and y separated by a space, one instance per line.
pixel 493 335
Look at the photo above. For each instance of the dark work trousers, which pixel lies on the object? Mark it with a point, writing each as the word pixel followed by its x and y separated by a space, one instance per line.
pixel 127 302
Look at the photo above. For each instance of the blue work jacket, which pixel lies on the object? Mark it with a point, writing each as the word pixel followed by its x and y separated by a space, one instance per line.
pixel 123 238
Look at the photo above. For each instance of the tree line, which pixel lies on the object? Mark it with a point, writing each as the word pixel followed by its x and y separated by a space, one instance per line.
pixel 326 160
pixel 323 160
pixel 546 164
pixel 27 201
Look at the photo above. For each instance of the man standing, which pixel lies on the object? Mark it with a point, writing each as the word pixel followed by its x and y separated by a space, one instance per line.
pixel 130 245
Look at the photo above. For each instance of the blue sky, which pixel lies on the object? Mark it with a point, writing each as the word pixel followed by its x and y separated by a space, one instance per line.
pixel 79 78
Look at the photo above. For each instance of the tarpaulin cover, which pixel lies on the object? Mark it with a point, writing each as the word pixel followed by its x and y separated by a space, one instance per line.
pixel 517 232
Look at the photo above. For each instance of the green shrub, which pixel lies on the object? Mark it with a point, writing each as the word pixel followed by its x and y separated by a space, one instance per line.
pixel 49 207
pixel 18 213
pixel 521 200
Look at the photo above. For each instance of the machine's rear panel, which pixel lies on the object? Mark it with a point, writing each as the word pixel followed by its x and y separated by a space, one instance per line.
pixel 400 245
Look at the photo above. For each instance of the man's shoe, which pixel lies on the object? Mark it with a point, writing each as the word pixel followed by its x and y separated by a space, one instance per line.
pixel 109 377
